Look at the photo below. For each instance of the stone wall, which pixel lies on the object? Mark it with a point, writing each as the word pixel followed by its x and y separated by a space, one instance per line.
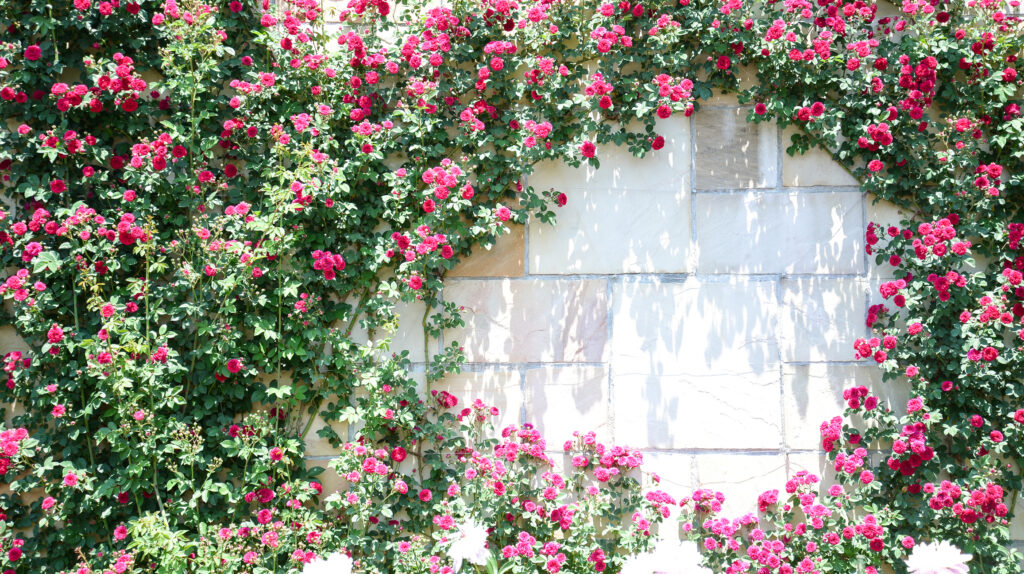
pixel 699 304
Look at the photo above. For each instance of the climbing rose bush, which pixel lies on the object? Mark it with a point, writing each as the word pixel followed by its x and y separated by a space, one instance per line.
pixel 214 209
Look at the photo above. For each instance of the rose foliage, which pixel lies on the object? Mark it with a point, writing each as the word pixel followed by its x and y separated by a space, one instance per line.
pixel 215 209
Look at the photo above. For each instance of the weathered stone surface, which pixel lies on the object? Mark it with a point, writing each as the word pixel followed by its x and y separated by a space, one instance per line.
pixel 795 232
pixel 814 393
pixel 821 317
pixel 561 400
pixel 694 326
pixel 698 411
pixel 667 169
pixel 546 320
pixel 812 168
pixel 732 153
pixel 740 477
pixel 502 388
pixel 602 230
pixel 504 259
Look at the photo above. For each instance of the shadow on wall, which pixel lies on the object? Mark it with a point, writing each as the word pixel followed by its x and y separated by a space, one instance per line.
pixel 525 321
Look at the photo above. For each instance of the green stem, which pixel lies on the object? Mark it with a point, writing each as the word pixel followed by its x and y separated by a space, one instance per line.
pixel 356 312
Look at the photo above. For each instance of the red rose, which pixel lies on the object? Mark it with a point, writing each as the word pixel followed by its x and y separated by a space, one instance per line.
pixel 33 53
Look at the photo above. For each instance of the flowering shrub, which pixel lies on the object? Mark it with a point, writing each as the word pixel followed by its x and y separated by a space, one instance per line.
pixel 206 202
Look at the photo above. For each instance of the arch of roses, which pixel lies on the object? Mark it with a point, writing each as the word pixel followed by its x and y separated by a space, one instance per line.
pixel 207 207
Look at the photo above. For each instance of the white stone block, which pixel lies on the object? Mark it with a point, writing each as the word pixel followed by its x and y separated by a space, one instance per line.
pixel 317 445
pixel 732 153
pixel 820 318
pixel 698 411
pixel 883 214
pixel 10 341
pixel 1017 525
pixel 504 259
pixel 695 326
pixel 613 230
pixel 795 232
pixel 561 400
pixel 814 167
pixel 509 321
pixel 813 463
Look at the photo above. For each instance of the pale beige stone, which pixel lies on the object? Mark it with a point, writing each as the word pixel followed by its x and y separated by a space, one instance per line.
pixel 667 169
pixel 698 411
pixel 695 326
pixel 732 153
pixel 747 79
pixel 813 394
pixel 813 167
pixel 409 334
pixel 561 400
pixel 820 318
pixel 504 259
pixel 885 213
pixel 741 478
pixel 500 388
pixel 603 230
pixel 328 479
pixel 767 232
pixel 509 321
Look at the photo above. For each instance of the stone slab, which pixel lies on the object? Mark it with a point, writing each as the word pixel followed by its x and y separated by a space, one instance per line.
pixel 821 317
pixel 815 167
pixel 696 411
pixel 794 232
pixel 731 153
pixel 504 259
pixel 609 230
pixel 537 320
pixel 561 400
pixel 696 326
